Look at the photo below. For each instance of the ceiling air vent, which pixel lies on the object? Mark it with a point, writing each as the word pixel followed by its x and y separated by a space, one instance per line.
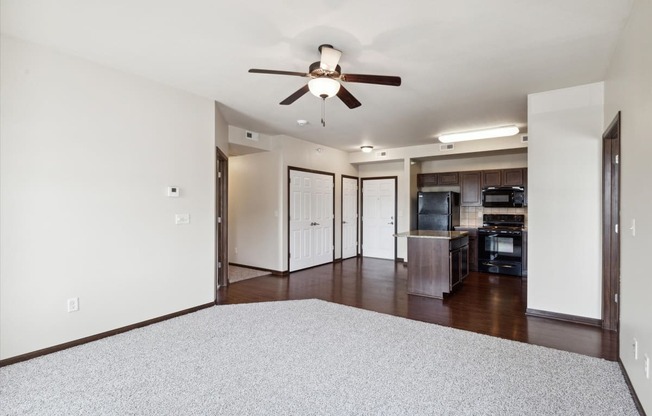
pixel 381 153
pixel 447 146
pixel 524 138
pixel 250 135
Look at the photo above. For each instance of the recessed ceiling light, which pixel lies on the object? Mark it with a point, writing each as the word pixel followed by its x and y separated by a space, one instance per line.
pixel 366 149
pixel 302 122
pixel 479 134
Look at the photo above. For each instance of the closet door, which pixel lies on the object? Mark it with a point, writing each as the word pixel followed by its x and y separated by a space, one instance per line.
pixel 311 219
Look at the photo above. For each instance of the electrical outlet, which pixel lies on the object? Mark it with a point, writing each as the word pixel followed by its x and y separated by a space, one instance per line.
pixel 73 304
pixel 647 366
pixel 635 347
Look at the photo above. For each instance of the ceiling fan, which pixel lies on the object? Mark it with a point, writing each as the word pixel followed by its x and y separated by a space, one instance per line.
pixel 326 76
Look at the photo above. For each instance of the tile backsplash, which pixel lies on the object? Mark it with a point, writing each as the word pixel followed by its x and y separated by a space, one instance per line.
pixel 471 217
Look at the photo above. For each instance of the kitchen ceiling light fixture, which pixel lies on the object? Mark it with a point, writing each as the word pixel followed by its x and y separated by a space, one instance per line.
pixel 491 133
pixel 366 149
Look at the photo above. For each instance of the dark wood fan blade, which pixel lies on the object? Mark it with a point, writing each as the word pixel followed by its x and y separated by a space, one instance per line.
pixel 295 96
pixel 348 98
pixel 372 79
pixel 274 72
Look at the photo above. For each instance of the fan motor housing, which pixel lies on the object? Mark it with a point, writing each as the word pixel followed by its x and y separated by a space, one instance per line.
pixel 316 71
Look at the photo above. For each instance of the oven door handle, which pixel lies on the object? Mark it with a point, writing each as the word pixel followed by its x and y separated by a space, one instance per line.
pixel 507 266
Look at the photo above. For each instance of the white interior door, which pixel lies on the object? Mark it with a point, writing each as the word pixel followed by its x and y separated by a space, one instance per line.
pixel 378 222
pixel 311 219
pixel 349 217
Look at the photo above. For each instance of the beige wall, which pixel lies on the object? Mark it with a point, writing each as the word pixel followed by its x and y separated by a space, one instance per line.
pixel 628 88
pixel 221 131
pixel 564 196
pixel 258 197
pixel 86 155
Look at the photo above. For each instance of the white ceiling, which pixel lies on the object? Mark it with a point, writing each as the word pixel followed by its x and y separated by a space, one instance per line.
pixel 465 64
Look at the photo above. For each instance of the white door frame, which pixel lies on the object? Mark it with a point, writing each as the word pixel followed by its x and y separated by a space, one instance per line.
pixel 350 220
pixel 362 181
pixel 289 211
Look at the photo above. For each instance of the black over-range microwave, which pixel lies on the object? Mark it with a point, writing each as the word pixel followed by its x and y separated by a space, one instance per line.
pixel 503 196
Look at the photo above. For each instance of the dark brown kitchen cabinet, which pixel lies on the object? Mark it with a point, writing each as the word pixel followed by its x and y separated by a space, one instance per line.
pixel 471 189
pixel 504 177
pixel 513 177
pixel 473 247
pixel 438 179
pixel 436 265
pixel 448 178
pixel 427 179
pixel 491 178
pixel 459 264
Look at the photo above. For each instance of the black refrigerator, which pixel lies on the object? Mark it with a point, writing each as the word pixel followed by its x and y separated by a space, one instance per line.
pixel 438 210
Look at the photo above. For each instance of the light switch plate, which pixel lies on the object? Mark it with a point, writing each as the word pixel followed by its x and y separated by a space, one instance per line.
pixel 182 219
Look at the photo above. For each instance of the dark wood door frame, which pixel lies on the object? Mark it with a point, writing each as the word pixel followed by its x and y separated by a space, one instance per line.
pixel 221 220
pixel 610 226
pixel 395 178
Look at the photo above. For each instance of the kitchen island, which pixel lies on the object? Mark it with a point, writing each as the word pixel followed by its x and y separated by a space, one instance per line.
pixel 438 261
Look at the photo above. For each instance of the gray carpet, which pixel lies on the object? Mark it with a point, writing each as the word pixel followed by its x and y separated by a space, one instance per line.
pixel 310 357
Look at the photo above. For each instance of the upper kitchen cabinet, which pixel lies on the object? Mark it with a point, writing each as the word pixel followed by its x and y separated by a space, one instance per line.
pixel 492 177
pixel 471 189
pixel 504 177
pixel 514 177
pixel 426 179
pixel 438 179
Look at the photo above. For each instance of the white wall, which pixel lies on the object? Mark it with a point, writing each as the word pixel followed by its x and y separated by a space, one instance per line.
pixel 476 162
pixel 258 192
pixel 564 180
pixel 255 210
pixel 628 88
pixel 221 131
pixel 86 155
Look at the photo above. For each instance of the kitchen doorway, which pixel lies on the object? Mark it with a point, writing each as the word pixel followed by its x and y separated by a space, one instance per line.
pixel 379 217
pixel 610 225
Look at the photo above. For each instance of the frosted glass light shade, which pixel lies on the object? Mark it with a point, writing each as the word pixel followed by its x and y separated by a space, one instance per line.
pixel 323 86
pixel 479 134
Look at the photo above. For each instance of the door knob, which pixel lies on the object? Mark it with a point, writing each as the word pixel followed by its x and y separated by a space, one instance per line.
pixel 343 222
pixel 316 223
pixel 390 223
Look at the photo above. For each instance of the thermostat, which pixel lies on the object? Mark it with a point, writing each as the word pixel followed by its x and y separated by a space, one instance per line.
pixel 173 191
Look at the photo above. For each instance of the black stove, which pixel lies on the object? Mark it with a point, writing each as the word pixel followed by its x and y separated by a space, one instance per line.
pixel 501 246
pixel 503 221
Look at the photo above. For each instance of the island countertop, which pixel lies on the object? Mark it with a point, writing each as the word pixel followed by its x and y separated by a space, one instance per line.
pixel 446 235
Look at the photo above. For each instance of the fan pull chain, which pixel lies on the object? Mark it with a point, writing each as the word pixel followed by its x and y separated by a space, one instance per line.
pixel 323 110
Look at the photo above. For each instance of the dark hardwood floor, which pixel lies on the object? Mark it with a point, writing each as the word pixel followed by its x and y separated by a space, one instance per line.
pixel 486 303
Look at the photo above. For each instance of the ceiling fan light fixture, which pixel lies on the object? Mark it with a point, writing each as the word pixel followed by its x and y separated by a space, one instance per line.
pixel 366 149
pixel 491 133
pixel 323 86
